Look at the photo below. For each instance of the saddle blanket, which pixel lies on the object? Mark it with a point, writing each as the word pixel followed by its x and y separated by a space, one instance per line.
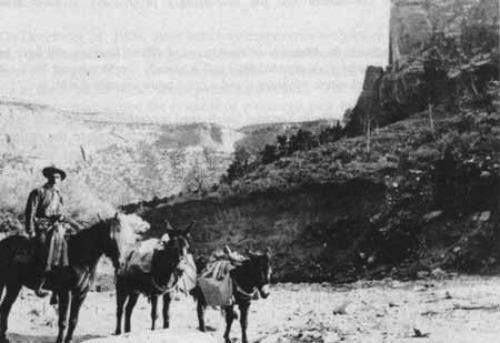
pixel 216 284
pixel 140 258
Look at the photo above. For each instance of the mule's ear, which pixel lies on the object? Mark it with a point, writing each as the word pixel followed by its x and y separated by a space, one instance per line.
pixel 251 253
pixel 99 217
pixel 168 227
pixel 189 228
pixel 117 215
pixel 268 251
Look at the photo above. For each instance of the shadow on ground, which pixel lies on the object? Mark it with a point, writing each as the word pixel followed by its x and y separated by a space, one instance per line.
pixel 17 338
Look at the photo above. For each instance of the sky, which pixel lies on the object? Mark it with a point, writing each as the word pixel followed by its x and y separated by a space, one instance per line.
pixel 232 62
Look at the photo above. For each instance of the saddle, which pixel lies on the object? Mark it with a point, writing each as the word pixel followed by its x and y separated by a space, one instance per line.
pixel 57 247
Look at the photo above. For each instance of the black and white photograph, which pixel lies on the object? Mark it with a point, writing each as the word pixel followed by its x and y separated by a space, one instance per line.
pixel 249 171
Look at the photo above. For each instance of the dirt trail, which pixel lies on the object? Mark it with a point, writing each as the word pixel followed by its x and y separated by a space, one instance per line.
pixel 463 309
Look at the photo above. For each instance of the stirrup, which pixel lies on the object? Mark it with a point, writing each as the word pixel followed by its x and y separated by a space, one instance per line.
pixel 41 293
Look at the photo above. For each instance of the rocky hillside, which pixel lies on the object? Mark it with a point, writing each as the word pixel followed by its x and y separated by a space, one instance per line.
pixel 114 160
pixel 420 200
pixel 256 137
pixel 400 199
pixel 110 162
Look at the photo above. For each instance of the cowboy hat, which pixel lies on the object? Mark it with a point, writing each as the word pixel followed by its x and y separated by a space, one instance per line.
pixel 49 171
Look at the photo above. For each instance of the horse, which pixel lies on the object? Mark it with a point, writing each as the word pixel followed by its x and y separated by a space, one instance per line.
pixel 250 278
pixel 163 277
pixel 70 283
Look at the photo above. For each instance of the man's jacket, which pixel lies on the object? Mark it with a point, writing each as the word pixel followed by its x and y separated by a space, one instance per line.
pixel 44 204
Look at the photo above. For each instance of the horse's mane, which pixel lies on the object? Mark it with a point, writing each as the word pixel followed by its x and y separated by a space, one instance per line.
pixel 132 227
pixel 83 245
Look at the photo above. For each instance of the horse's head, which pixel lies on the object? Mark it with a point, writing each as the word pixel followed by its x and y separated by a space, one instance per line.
pixel 261 269
pixel 121 236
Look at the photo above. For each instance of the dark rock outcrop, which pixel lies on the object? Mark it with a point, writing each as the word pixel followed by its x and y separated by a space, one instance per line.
pixel 438 50
pixel 309 229
pixel 367 110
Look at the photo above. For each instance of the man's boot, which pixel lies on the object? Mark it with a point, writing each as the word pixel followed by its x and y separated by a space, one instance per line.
pixel 41 263
pixel 54 300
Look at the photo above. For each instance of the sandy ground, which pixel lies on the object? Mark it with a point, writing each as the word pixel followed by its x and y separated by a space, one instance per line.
pixel 463 309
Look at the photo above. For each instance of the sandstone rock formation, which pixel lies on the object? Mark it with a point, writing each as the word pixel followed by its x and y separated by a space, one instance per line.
pixel 434 39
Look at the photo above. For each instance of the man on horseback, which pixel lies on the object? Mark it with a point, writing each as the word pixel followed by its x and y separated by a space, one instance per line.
pixel 43 211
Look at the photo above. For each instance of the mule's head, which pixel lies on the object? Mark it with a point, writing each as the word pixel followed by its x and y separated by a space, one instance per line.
pixel 261 265
pixel 177 247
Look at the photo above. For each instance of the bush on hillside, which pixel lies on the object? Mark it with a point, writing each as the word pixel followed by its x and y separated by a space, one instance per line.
pixel 285 146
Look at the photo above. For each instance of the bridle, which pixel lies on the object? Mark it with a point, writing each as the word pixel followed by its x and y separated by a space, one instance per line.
pixel 177 277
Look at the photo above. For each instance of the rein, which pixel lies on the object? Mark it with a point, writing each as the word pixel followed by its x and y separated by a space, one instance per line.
pixel 243 293
pixel 166 289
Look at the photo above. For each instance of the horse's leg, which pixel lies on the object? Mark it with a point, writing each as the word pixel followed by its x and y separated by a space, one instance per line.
pixel 244 306
pixel 121 297
pixel 1 290
pixel 63 313
pixel 132 300
pixel 229 321
pixel 154 310
pixel 77 299
pixel 10 298
pixel 166 310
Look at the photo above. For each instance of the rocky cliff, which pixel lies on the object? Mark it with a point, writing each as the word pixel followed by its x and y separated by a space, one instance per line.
pixel 452 45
